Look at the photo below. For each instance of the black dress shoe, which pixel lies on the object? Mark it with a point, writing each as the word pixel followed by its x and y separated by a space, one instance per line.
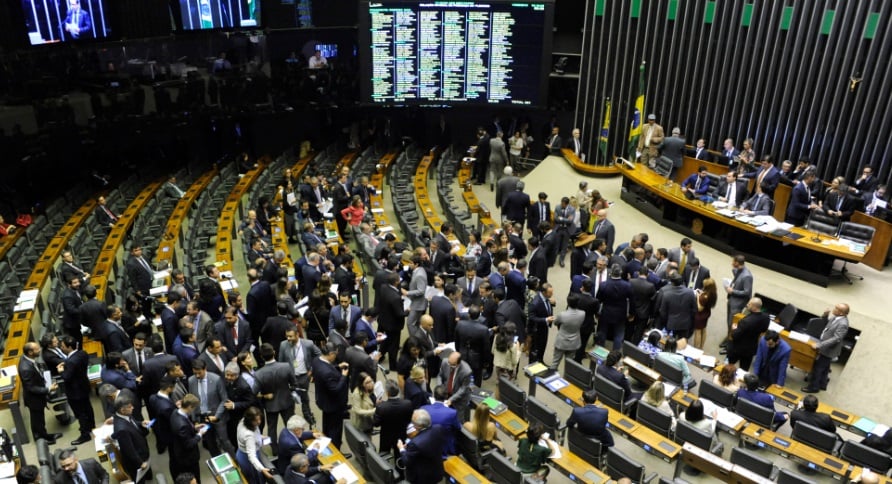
pixel 808 390
pixel 83 439
pixel 348 455
pixel 55 436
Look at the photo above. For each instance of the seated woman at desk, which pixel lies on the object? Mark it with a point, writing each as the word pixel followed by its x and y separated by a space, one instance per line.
pixel 651 344
pixel 484 430
pixel 670 356
pixel 532 456
pixel 656 397
pixel 727 378
pixel 694 416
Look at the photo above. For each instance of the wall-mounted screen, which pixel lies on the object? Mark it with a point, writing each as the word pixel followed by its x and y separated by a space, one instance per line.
pixel 219 14
pixel 328 50
pixel 53 21
pixel 442 52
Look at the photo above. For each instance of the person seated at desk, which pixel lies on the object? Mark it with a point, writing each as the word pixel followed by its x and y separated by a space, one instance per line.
pixel 697 184
pixel 532 456
pixel 484 429
pixel 5 228
pixel 731 190
pixel 694 416
pixel 317 61
pixel 875 202
pixel 759 397
pixel 807 411
pixel 882 443
pixel 759 203
pixel 727 378
pixel 772 358
pixel 655 396
pixel 591 420
pixel 651 344
pixel 866 183
pixel 837 202
pixel 613 370
pixel 700 151
pixel 670 355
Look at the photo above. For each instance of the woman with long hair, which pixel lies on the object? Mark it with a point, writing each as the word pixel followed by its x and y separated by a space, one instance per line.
pixel 706 299
pixel 362 401
pixel 484 430
pixel 532 457
pixel 249 443
pixel 411 356
pixel 506 351
pixel 727 378
pixel 655 396
pixel 317 315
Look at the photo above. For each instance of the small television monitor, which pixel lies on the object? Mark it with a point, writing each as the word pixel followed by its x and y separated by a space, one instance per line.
pixel 219 14
pixel 55 21
pixel 328 50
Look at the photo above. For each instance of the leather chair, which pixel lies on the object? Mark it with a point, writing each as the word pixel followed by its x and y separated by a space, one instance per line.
pixel 822 223
pixel 612 395
pixel 663 166
pixel 753 462
pixel 860 234
pixel 512 396
pixel 503 471
pixel 716 394
pixel 654 418
pixel 814 437
pixel 586 447
pixel 620 465
pixel 864 456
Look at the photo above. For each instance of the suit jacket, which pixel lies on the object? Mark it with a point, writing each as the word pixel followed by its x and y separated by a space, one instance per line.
pixel 415 394
pixel 537 314
pixel 286 353
pixel 212 365
pixel 739 194
pixel 484 264
pixel 186 353
pixel 273 330
pixel 534 214
pixel 447 419
pixel 359 361
pixel 656 137
pixel 170 324
pixel 615 296
pixel 820 420
pixel 391 317
pixel 606 231
pixel 746 337
pixel 483 150
pixel 291 445
pixel 77 385
pixel 354 314
pixel 569 322
pixel 276 378
pixel 775 363
pixel 119 378
pixel 691 182
pixel 702 275
pixel 472 340
pixel 93 470
pixel 643 292
pixel 33 385
pixel 140 279
pixel 184 439
pixel 612 374
pixel 538 265
pixel 677 307
pixel 797 209
pixel 423 456
pixel 92 314
pixel 832 201
pixel 71 303
pixel 224 332
pixel 555 142
pixel 472 295
pixel 701 154
pixel 672 148
pixel 443 312
pixel 516 286
pixel 509 310
pixel 760 398
pixel 830 343
pixel 742 289
pixel 515 205
pixel 770 180
pixel 506 185
pixel 261 304
pixel 331 387
pixel 759 204
pixel 417 288
pixel 153 370
pixel 428 342
pixel 102 215
pixel 216 393
pixel 549 243
pixel 51 361
pixel 592 421
pixel 132 443
pixel 114 338
pixel 728 156
pixel 393 416
pixel 461 392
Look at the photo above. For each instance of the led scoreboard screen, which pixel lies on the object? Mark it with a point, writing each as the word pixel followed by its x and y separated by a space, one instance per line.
pixel 442 52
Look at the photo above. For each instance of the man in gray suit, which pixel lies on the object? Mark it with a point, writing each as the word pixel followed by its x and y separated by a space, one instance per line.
pixel 506 185
pixel 673 148
pixel 211 392
pixel 299 354
pixel 828 347
pixel 275 380
pixel 455 375
pixel 417 288
pixel 681 254
pixel 568 322
pixel 740 290
pixel 202 324
pixel 677 306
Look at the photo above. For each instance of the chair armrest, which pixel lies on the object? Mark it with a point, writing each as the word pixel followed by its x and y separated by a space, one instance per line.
pixel 649 478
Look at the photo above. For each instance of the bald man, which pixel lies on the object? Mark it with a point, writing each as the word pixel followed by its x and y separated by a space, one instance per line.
pixel 828 347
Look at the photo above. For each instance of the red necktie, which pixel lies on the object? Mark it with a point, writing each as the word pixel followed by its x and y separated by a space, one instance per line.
pixel 451 381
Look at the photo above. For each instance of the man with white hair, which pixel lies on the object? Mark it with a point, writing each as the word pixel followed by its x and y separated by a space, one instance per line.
pixel 673 148
pixel 423 455
pixel 506 185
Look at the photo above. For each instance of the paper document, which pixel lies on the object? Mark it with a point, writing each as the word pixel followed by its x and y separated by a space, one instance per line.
pixel 707 360
pixel 726 282
pixel 691 352
pixel 450 345
pixel 229 284
pixel 101 436
pixel 772 326
pixel 320 443
pixel 140 473
pixel 10 370
pixel 556 452
pixel 7 469
pixel 797 336
pixel 343 471
pixel 668 389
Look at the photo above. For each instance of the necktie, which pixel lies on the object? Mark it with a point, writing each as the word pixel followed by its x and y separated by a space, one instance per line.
pixel 218 362
pixel 110 215
pixel 139 362
pixel 697 186
pixel 195 326
pixel 76 268
pixel 60 353
pixel 78 479
pixel 839 199
pixel 541 211
pixel 598 226
pixel 470 286
pixel 318 194
pixel 762 176
pixel 684 260
pixel 234 335
pixel 693 278
pixel 451 381
pixel 203 394
pixel 547 306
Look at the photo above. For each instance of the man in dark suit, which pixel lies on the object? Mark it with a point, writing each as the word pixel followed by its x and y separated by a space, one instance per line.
pixel 93 313
pixel 392 415
pixel 745 334
pixel 729 153
pixel 758 204
pixel 506 185
pixel 184 449
pixel 455 375
pixel 605 230
pixel 470 286
pixel 213 356
pixel 554 143
pixel 537 213
pixel 170 322
pixel 211 392
pixel 481 154
pixel 643 292
pixel 331 392
pixel 767 177
pixel 35 391
pixel 472 339
pixel 423 455
pixel 345 310
pixel 51 353
pixel 591 420
pixel 87 471
pixel 391 318
pixel 538 264
pixel 801 202
pixel 71 303
pixel 103 215
pixel 676 305
pixel 275 382
pixel 615 296
pixel 234 333
pixel 77 388
pixel 156 366
pixel 446 418
pixel 340 195
pixel 360 361
pixel 807 412
pixel 68 269
pixel 695 273
pixel 750 391
pixel 772 358
pixel 291 443
pixel 508 310
pixel 261 301
pixel 430 345
pixel 160 407
pixel 131 437
pixel 273 330
pixel 116 372
pixel 140 274
pixel 837 202
pixel 613 371
pixel 541 316
pixel 114 337
pixel 700 152
pixel 442 309
pixel 731 190
pixel 484 262
pixel 515 204
pixel 697 184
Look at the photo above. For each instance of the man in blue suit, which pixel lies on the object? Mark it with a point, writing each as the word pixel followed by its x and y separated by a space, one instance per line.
pixel 697 184
pixel 346 311
pixel 77 22
pixel 591 420
pixel 446 418
pixel 753 394
pixel 423 455
pixel 291 443
pixel 772 358
pixel 801 203
pixel 768 177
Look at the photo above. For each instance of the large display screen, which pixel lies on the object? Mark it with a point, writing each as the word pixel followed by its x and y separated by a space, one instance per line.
pixel 219 14
pixel 52 21
pixel 442 52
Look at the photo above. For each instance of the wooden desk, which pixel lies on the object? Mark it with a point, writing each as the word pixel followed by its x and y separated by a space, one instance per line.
pixel 332 455
pixel 226 222
pixel 376 200
pixel 802 354
pixel 804 258
pixel 8 241
pixel 173 233
pixel 791 398
pixel 684 400
pixel 878 253
pixel 578 470
pixel 431 217
pixel 796 451
pixel 705 461
pixel 582 167
pixel 511 424
pixel 461 472
pixel 484 217
pixel 641 372
pixel 856 471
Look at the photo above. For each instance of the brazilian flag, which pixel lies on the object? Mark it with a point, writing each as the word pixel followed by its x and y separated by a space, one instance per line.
pixel 635 131
pixel 605 129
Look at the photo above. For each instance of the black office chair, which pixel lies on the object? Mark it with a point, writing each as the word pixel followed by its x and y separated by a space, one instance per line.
pixel 512 396
pixel 359 445
pixel 750 461
pixel 637 354
pixel 858 233
pixel 586 447
pixel 46 474
pixel 686 432
pixel 539 412
pixel 620 465
pixel 815 327
pixel 470 449
pixel 716 394
pixel 663 166
pixel 864 456
pixel 786 316
pixel 502 470
pixel 789 477
pixel 822 223
pixel 818 438
pixel 612 395
pixel 756 414
pixel 380 470
pixel 654 418
pixel 44 457
pixel 578 374
pixel 671 374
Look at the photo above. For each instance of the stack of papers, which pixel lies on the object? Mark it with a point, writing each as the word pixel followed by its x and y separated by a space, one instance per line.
pixel 797 336
pixel 101 436
pixel 26 301
pixel 343 471
pixel 691 352
pixel 707 360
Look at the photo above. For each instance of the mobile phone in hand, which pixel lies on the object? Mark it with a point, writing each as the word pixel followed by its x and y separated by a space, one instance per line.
pixel 150 423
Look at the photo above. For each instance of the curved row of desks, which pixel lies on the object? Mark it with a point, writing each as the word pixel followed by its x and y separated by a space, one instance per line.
pixel 582 167
pixel 377 200
pixel 8 241
pixel 431 217
pixel 484 215
pixel 173 233
pixel 226 224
